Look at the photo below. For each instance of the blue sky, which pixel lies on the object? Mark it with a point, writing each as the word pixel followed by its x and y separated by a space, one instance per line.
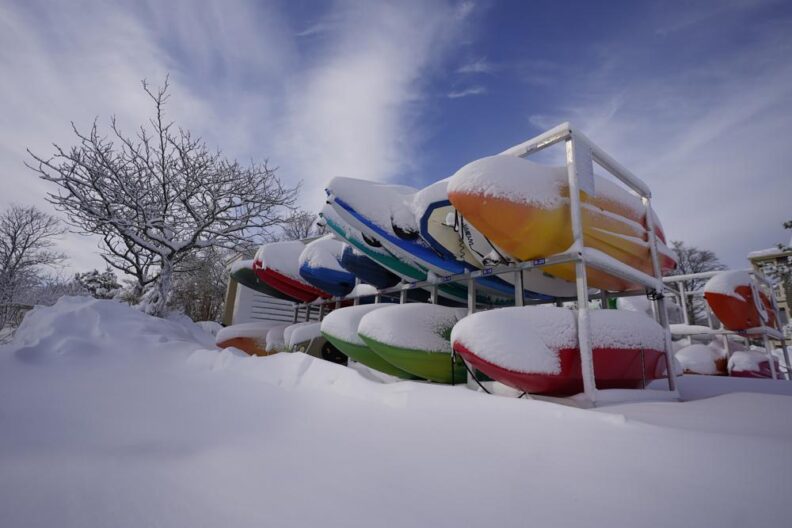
pixel 694 97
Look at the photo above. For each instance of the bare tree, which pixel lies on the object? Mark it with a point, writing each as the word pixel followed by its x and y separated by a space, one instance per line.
pixel 694 260
pixel 200 284
pixel 27 237
pixel 159 195
pixel 301 224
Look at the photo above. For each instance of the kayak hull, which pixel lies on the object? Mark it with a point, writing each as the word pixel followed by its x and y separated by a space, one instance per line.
pixel 249 345
pixel 364 355
pixel 248 278
pixel 335 282
pixel 739 313
pixel 367 270
pixel 427 365
pixel 613 369
pixel 295 289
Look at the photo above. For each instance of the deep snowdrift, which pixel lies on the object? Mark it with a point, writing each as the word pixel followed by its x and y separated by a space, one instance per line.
pixel 109 417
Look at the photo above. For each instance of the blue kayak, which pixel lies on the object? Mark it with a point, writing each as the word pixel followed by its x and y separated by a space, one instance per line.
pixel 367 270
pixel 320 265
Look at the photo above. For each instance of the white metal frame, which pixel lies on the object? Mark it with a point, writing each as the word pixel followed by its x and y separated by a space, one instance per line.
pixel 767 334
pixel 581 154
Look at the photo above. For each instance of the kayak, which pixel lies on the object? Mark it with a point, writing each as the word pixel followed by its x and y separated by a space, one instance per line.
pixel 321 267
pixel 276 264
pixel 523 208
pixel 752 364
pixel 441 225
pixel 414 338
pixel 242 272
pixel 391 219
pixel 340 328
pixel 367 270
pixel 737 302
pixel 535 349
pixel 248 337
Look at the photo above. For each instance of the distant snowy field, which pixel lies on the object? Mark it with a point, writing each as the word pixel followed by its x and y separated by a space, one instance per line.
pixel 112 418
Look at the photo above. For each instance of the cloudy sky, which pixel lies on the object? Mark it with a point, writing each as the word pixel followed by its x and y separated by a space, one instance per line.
pixel 694 97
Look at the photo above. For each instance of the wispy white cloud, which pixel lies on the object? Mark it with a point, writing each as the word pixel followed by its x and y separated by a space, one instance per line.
pixel 239 79
pixel 710 139
pixel 467 92
pixel 480 65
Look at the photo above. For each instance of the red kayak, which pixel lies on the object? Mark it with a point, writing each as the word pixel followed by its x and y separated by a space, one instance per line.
pixel 534 349
pixel 737 301
pixel 277 265
pixel 752 364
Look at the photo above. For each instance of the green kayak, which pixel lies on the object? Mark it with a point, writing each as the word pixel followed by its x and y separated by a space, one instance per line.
pixel 415 338
pixel 340 326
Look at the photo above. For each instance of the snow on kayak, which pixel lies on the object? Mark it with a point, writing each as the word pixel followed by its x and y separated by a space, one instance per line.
pixel 535 349
pixel 340 327
pixel 415 338
pixel 738 302
pixel 320 265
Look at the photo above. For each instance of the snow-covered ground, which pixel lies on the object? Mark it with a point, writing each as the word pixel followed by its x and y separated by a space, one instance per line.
pixel 109 417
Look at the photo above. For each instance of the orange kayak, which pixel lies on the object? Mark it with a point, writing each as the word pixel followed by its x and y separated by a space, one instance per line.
pixel 523 208
pixel 737 302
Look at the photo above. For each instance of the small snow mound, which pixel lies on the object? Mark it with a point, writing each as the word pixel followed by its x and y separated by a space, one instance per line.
pixel 77 328
pixel 210 327
pixel 727 282
pixel 699 359
pixel 303 334
pixel 413 326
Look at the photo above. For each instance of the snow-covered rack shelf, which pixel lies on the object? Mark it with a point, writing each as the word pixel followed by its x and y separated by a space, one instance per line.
pixel 581 154
pixel 675 285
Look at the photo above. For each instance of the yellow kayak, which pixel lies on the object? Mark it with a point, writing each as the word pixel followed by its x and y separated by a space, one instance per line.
pixel 523 208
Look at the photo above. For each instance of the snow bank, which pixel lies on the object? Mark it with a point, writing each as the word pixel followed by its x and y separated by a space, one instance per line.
pixel 323 252
pixel 726 282
pixel 274 339
pixel 343 323
pixel 527 339
pixel 210 327
pixel 156 427
pixel 77 328
pixel 416 326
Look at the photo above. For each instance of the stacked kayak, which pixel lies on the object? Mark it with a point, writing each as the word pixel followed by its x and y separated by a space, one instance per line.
pixel 385 214
pixel 251 338
pixel 320 265
pixel 751 364
pixel 340 328
pixel 535 349
pixel 277 265
pixel 523 208
pixel 366 269
pixel 242 272
pixel 415 339
pixel 737 302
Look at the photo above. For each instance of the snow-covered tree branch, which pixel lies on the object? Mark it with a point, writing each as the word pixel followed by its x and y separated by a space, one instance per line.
pixel 158 195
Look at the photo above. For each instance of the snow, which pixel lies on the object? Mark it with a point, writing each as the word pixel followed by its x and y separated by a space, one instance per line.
pixel 691 330
pixel 210 327
pixel 416 326
pixel 699 359
pixel 343 323
pixel 747 360
pixel 726 282
pixel 304 333
pixel 287 332
pixel 256 330
pixel 361 290
pixel 351 233
pixel 641 304
pixel 436 192
pixel 113 418
pixel 324 252
pixel 274 339
pixel 383 204
pixel 282 257
pixel 519 339
pixel 238 265
pixel 527 339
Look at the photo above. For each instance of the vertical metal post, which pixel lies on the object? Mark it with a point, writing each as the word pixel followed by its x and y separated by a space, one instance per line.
pixel 604 299
pixel 307 312
pixel 659 303
pixel 402 296
pixel 770 357
pixel 786 359
pixel 377 299
pixel 519 289
pixel 584 341
pixel 321 311
pixel 433 294
pixel 357 299
pixel 296 313
pixel 683 302
pixel 471 297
